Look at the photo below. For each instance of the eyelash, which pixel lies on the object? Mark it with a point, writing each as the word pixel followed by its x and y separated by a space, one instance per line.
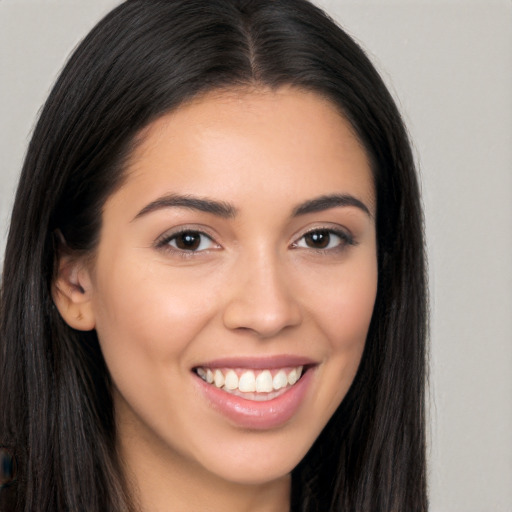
pixel 346 239
pixel 164 243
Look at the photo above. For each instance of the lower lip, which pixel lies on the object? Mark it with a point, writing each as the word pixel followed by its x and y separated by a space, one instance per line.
pixel 257 415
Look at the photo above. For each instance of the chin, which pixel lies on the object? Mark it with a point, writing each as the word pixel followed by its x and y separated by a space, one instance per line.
pixel 256 463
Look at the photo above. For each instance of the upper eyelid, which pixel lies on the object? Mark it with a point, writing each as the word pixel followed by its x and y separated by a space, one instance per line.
pixel 336 229
pixel 163 244
pixel 171 233
pixel 345 235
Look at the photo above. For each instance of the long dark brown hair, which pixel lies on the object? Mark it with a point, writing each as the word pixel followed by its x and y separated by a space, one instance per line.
pixel 141 61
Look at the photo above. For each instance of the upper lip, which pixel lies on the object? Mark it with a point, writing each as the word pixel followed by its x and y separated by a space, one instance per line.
pixel 255 363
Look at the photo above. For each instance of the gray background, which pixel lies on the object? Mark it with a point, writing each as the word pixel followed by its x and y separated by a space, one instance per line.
pixel 449 64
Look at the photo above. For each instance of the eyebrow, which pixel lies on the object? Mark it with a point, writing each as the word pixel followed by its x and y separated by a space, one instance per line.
pixel 218 208
pixel 228 211
pixel 330 201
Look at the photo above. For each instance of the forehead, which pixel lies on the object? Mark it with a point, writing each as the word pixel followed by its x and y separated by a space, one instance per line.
pixel 275 143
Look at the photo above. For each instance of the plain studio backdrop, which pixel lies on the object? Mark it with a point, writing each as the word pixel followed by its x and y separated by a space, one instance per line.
pixel 449 64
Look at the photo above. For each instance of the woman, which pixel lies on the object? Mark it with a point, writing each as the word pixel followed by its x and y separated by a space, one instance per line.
pixel 213 293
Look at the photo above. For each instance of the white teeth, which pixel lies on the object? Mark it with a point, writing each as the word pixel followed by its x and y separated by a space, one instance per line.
pixel 219 378
pixel 231 381
pixel 264 382
pixel 250 381
pixel 247 382
pixel 294 375
pixel 280 380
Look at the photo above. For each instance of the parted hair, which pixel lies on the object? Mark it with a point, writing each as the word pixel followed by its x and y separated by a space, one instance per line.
pixel 144 59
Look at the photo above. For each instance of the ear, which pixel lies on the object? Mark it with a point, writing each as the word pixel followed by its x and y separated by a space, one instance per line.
pixel 72 293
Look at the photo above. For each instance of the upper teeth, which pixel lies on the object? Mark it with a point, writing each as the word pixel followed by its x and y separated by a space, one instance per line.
pixel 247 381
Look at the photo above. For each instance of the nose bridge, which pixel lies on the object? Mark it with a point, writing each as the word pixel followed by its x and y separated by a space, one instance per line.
pixel 261 299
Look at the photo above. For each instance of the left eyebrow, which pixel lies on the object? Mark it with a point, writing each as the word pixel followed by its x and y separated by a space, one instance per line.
pixel 218 208
pixel 329 201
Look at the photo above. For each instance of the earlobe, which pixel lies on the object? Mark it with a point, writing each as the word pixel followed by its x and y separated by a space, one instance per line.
pixel 72 294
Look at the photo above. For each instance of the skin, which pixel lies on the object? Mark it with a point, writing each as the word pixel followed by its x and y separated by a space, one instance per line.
pixel 256 287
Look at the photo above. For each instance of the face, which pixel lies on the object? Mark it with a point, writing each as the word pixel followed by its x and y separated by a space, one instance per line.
pixel 234 281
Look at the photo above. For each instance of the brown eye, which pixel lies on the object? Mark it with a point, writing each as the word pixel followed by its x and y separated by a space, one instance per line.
pixel 324 239
pixel 318 239
pixel 190 241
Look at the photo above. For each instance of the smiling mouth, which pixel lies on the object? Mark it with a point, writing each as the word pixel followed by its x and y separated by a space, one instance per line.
pixel 257 385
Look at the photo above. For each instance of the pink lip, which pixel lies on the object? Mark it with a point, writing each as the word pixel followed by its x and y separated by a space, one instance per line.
pixel 252 414
pixel 281 361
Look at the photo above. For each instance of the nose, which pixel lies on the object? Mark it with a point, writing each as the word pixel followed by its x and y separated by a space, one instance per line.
pixel 261 299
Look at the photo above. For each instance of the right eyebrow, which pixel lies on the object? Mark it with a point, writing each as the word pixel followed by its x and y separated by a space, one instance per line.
pixel 203 204
pixel 326 202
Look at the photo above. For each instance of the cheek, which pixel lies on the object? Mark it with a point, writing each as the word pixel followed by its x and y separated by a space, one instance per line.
pixel 352 309
pixel 346 325
pixel 146 313
pixel 341 303
pixel 147 317
pixel 342 313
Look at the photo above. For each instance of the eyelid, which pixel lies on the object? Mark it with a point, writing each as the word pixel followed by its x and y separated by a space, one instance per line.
pixel 162 242
pixel 343 233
